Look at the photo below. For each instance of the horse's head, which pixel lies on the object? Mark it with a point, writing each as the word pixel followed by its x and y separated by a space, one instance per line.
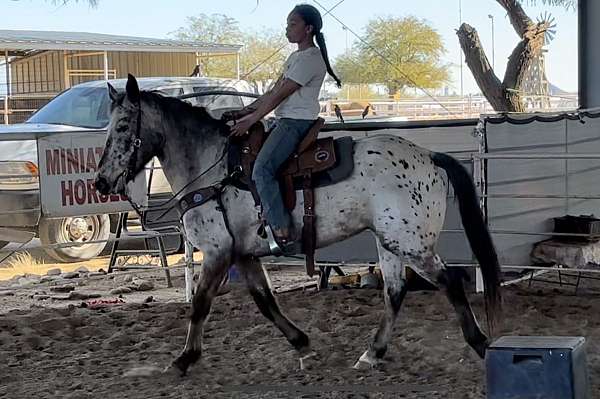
pixel 131 140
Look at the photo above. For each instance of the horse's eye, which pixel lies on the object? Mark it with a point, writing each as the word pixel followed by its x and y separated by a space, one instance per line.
pixel 122 128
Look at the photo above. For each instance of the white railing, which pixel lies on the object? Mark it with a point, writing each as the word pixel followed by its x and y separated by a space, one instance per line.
pixel 442 108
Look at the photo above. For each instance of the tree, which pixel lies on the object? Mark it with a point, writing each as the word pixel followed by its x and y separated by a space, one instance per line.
pixel 397 52
pixel 214 28
pixel 505 95
pixel 261 57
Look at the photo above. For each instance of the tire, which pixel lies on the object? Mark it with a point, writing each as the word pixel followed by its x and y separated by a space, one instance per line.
pixel 75 229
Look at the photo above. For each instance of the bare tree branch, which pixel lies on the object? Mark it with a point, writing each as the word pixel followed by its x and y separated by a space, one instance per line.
pixel 505 96
pixel 479 65
pixel 519 20
pixel 92 3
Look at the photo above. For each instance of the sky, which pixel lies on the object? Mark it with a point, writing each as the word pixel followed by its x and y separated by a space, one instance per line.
pixel 158 19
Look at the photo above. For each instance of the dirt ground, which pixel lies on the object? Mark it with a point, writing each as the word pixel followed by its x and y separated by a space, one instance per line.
pixel 52 348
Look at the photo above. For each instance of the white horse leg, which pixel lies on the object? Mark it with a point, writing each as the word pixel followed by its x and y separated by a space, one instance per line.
pixel 259 286
pixel 394 291
pixel 210 278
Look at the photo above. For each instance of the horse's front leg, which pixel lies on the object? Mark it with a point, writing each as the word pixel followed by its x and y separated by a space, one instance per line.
pixel 259 287
pixel 211 275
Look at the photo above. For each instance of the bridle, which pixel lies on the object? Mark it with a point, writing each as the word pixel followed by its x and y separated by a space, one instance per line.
pixel 130 172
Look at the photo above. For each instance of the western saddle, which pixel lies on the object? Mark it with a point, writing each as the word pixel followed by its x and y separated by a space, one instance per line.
pixel 312 156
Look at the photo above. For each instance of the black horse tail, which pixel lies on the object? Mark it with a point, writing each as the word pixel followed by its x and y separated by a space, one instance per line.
pixel 477 233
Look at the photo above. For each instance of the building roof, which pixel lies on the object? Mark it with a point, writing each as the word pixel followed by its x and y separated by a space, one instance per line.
pixel 19 42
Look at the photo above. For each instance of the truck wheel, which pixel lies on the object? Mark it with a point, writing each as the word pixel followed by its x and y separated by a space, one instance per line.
pixel 71 230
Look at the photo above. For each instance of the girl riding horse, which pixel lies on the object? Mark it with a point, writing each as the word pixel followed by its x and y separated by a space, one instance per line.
pixel 294 98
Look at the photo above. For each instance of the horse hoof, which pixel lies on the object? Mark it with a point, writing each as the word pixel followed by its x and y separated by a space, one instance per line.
pixel 175 369
pixel 366 362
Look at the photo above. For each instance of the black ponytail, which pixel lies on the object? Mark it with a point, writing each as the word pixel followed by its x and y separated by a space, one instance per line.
pixel 321 42
pixel 311 16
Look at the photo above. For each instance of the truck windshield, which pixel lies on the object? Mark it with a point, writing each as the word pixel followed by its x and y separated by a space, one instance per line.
pixel 79 106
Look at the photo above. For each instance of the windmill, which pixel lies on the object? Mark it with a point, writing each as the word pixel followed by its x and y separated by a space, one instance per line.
pixel 535 84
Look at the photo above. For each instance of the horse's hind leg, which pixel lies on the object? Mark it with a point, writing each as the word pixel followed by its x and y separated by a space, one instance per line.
pixel 394 291
pixel 210 278
pixel 258 284
pixel 451 278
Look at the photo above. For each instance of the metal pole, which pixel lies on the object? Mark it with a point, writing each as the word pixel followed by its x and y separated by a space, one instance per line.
pixel 7 78
pixel 105 55
pixel 461 55
pixel 347 86
pixel 490 16
pixel 6 109
pixel 589 57
pixel 8 75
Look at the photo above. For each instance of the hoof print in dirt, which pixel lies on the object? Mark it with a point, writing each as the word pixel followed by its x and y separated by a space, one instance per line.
pixel 121 290
pixel 309 361
pixel 80 296
pixel 142 371
pixel 141 285
pixel 63 288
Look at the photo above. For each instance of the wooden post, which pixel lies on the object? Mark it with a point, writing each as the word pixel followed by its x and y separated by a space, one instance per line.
pixel 105 56
pixel 66 70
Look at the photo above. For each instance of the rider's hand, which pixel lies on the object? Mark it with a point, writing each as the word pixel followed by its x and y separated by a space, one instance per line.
pixel 242 125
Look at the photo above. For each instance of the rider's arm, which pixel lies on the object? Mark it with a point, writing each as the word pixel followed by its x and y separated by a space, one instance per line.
pixel 260 100
pixel 282 90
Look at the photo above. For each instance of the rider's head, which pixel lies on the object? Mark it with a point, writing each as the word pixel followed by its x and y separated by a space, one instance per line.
pixel 305 22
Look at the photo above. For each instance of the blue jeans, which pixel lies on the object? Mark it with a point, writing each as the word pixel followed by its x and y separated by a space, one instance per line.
pixel 281 143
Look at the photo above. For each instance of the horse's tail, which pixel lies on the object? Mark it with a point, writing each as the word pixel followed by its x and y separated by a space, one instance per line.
pixel 477 232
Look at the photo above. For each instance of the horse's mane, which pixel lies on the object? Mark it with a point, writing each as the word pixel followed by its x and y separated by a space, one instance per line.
pixel 179 107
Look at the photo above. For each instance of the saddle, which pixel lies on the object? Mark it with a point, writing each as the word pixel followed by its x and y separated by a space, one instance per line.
pixel 316 162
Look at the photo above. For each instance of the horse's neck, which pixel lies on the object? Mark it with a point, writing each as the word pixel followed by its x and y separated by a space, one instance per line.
pixel 190 151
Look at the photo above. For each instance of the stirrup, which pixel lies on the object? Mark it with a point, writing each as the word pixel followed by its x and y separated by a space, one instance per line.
pixel 277 249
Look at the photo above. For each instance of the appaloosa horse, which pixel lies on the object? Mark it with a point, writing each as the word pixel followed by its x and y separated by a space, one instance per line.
pixel 397 190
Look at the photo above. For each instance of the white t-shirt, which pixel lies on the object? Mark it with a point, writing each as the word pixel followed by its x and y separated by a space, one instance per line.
pixel 307 68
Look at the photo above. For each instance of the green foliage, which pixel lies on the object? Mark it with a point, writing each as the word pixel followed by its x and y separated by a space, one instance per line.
pixel 214 28
pixel 261 57
pixel 397 52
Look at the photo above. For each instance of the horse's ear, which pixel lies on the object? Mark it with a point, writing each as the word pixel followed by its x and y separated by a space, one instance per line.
pixel 112 93
pixel 132 89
